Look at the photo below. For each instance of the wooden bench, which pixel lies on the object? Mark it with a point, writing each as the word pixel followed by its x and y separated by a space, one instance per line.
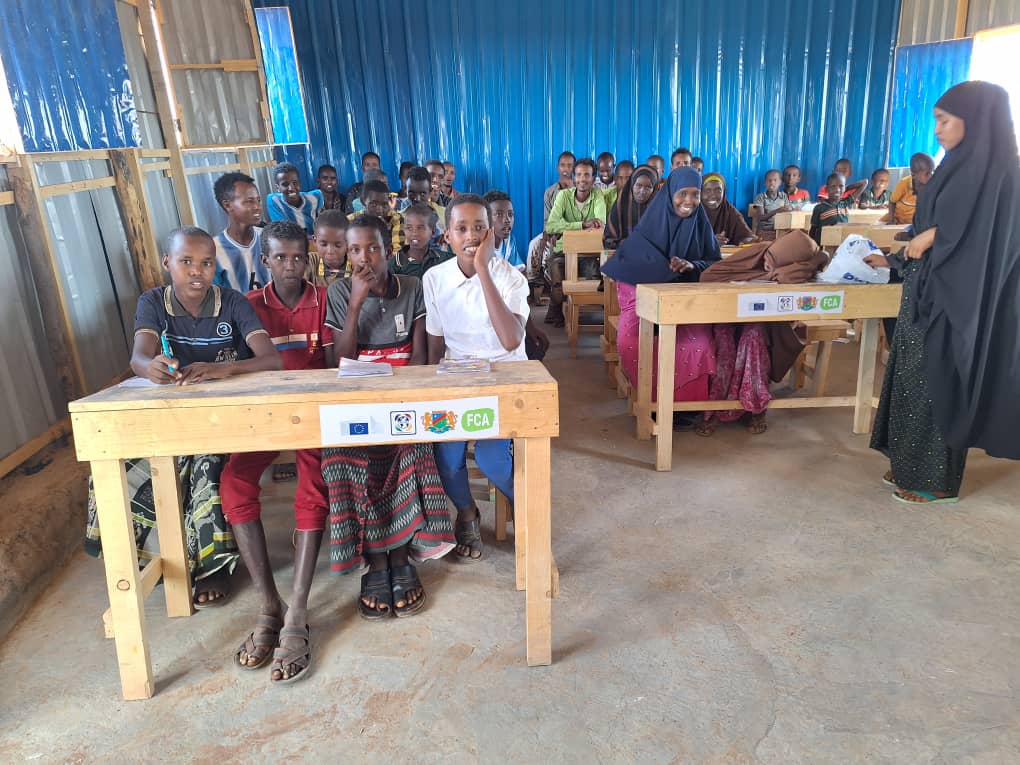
pixel 294 410
pixel 813 362
pixel 580 296
pixel 610 353
pixel 882 235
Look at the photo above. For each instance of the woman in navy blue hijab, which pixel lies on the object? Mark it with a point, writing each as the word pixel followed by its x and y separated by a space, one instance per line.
pixel 673 242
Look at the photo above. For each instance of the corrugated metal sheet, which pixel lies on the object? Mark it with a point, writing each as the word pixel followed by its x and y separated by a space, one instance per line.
pixel 923 73
pixel 925 21
pixel 208 213
pixel 987 14
pixel 30 395
pixel 500 89
pixel 67 74
pixel 159 192
pixel 218 107
pixel 282 80
pixel 146 113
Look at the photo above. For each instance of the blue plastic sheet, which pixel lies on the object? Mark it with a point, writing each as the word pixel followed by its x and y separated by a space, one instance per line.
pixel 501 88
pixel 279 59
pixel 67 75
pixel 923 73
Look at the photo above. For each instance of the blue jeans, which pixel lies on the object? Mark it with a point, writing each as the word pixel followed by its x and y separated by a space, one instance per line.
pixel 494 458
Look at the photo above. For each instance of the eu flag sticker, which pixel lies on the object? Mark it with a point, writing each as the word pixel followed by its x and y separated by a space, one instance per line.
pixel 357 428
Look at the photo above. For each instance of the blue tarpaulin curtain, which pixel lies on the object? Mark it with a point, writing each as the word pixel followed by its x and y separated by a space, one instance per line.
pixel 283 84
pixel 923 73
pixel 501 88
pixel 67 74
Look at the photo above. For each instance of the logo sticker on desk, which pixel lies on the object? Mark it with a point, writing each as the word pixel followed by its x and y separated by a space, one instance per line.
pixel 760 304
pixel 448 420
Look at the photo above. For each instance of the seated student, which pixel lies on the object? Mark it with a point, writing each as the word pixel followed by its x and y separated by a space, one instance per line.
pixel 769 203
pixel 293 312
pixel 604 165
pixel 903 201
pixel 213 333
pixel 659 163
pixel 386 503
pixel 727 222
pixel 624 170
pixel 289 202
pixel 844 168
pixel 327 180
pixel 581 207
pixel 420 192
pixel 447 192
pixel 673 242
pixel 369 161
pixel 238 254
pixel 540 247
pixel 329 261
pixel 876 196
pixel 680 158
pixel 437 172
pixel 418 255
pixel 698 164
pixel 827 212
pixel 634 199
pixel 370 175
pixel 402 203
pixel 798 197
pixel 375 201
pixel 476 307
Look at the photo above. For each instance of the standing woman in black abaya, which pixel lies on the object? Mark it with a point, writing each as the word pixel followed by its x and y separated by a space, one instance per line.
pixel 953 379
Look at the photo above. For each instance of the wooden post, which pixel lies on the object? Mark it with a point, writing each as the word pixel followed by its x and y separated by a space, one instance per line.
pixel 962 10
pixel 166 109
pixel 664 397
pixel 533 503
pixel 48 277
pixel 866 375
pixel 245 161
pixel 166 494
pixel 134 211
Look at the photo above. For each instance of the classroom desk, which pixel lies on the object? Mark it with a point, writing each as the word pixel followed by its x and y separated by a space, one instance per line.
pixel 668 305
pixel 795 219
pixel 867 216
pixel 882 235
pixel 282 410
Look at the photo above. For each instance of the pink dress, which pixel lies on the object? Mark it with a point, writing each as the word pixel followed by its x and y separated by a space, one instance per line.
pixel 695 351
pixel 742 370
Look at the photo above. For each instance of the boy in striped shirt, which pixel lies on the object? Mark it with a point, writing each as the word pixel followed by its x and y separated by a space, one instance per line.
pixel 238 253
pixel 833 209
pixel 290 203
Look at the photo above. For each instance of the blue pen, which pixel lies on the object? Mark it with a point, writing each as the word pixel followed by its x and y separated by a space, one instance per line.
pixel 167 351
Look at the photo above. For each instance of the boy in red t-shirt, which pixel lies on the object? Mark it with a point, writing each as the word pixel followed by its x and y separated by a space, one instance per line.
pixel 293 311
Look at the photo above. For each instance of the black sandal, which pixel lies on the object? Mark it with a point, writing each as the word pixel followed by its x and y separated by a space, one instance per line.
pixel 375 584
pixel 284 657
pixel 404 579
pixel 265 635
pixel 469 534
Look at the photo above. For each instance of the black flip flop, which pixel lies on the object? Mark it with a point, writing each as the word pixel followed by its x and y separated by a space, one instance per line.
pixel 403 579
pixel 469 534
pixel 376 584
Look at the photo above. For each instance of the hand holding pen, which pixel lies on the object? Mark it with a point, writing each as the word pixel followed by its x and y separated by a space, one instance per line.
pixel 163 368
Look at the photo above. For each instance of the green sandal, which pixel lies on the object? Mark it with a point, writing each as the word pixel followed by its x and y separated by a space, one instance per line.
pixel 926 498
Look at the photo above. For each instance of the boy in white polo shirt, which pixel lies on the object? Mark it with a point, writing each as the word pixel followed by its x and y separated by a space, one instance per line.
pixel 476 307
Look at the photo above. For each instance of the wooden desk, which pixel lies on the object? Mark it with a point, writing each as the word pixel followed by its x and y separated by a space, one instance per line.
pixel 281 410
pixel 580 244
pixel 867 216
pixel 668 305
pixel 883 236
pixel 787 221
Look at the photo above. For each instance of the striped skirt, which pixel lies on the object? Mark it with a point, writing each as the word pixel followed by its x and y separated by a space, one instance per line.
pixel 381 498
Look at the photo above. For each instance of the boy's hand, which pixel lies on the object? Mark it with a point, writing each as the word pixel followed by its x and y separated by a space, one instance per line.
pixel 537 336
pixel 590 224
pixel 362 281
pixel 679 265
pixel 786 208
pixel 876 261
pixel 722 239
pixel 159 370
pixel 201 371
pixel 484 252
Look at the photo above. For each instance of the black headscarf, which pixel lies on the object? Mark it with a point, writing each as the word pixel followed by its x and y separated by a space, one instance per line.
pixel 643 257
pixel 969 283
pixel 627 212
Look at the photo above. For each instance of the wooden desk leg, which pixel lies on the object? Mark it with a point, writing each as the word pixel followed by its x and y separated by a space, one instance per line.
pixel 520 516
pixel 120 559
pixel 166 492
pixel 532 500
pixel 643 410
pixel 664 398
pixel 866 369
pixel 570 266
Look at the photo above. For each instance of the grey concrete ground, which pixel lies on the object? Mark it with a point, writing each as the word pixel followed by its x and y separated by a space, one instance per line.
pixel 765 602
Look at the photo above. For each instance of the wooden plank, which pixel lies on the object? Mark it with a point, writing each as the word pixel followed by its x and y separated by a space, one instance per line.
pixel 227 65
pixel 49 278
pixel 643 405
pixel 520 526
pixel 149 577
pixel 794 219
pixel 664 407
pixel 166 494
pixel 30 448
pixel 866 375
pixel 245 160
pixel 798 402
pixel 134 211
pixel 216 169
pixel 583 241
pixel 167 119
pixel 6 198
pixel 960 22
pixel 532 501
pixel 717 303
pixel 154 153
pixel 120 561
pixel 882 235
pixel 151 167
pixel 73 187
pixel 66 156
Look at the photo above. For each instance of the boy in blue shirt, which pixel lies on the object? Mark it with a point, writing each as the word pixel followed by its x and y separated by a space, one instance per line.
pixel 290 203
pixel 238 253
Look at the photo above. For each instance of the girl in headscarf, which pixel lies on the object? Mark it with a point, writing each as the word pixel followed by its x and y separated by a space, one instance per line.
pixel 954 362
pixel 727 222
pixel 672 242
pixel 635 197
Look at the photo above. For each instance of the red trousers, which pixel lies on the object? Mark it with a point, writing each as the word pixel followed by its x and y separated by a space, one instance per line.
pixel 239 488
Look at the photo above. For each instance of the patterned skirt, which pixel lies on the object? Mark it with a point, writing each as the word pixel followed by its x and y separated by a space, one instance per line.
pixel 209 539
pixel 381 498
pixel 742 369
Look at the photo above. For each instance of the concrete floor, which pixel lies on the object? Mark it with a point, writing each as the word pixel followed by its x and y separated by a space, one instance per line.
pixel 765 602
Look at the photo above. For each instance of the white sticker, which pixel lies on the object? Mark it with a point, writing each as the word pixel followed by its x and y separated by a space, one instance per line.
pixel 463 419
pixel 751 304
pixel 399 321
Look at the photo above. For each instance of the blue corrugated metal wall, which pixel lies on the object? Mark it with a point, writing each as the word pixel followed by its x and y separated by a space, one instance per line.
pixel 67 75
pixel 501 88
pixel 282 82
pixel 923 73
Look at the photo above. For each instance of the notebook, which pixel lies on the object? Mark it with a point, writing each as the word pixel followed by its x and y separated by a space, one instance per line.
pixel 353 368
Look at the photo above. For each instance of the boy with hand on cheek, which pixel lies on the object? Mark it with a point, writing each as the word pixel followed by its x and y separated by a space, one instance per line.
pixel 476 307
